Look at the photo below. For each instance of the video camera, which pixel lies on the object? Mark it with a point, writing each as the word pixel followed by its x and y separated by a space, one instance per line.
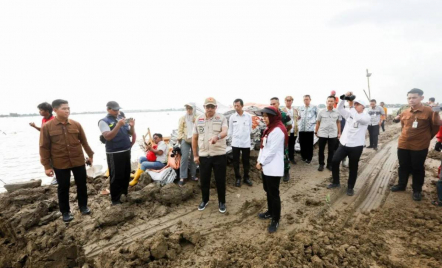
pixel 348 98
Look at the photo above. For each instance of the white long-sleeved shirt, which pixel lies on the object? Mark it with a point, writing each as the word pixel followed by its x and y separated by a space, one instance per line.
pixel 271 156
pixel 240 128
pixel 355 126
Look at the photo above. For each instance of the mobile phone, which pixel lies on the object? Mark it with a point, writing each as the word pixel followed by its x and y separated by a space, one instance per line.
pixel 128 120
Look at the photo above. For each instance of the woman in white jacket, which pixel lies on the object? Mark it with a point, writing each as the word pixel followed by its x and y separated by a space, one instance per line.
pixel 271 162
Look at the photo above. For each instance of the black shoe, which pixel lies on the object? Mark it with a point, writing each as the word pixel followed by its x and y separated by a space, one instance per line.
pixel 293 161
pixel 181 183
pixel 265 215
pixel 369 147
pixel 273 226
pixel 238 183
pixel 397 188
pixel 333 185
pixel 85 210
pixel 375 148
pixel 67 216
pixel 286 177
pixel 308 161
pixel 248 182
pixel 222 207
pixel 329 167
pixel 417 196
pixel 303 159
pixel 320 168
pixel 203 205
pixel 350 192
pixel 114 203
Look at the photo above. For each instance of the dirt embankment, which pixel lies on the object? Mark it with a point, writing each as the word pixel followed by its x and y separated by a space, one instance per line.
pixel 161 227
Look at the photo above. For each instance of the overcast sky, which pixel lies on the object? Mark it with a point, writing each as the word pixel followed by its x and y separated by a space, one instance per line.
pixel 161 54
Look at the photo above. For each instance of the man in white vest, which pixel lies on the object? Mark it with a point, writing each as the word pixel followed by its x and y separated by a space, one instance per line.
pixel 209 145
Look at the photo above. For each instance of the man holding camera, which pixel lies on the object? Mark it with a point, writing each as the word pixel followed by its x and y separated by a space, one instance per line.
pixel 352 140
pixel 419 125
pixel 116 131
pixel 61 142
pixel 375 113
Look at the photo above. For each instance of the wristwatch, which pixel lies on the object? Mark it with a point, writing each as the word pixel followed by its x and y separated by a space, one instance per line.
pixel 219 136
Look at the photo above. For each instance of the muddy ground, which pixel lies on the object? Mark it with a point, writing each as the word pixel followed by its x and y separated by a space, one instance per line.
pixel 161 226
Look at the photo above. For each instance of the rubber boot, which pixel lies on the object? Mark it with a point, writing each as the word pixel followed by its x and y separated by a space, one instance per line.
pixel 107 173
pixel 136 177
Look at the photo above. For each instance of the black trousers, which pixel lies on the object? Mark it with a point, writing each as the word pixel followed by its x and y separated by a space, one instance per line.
pixel 218 164
pixel 236 151
pixel 354 154
pixel 292 141
pixel 412 162
pixel 373 132
pixel 271 187
pixel 306 143
pixel 64 183
pixel 331 149
pixel 383 125
pixel 119 173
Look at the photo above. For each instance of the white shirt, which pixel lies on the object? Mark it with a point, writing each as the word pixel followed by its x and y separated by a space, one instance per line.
pixel 163 147
pixel 355 126
pixel 240 128
pixel 290 113
pixel 271 156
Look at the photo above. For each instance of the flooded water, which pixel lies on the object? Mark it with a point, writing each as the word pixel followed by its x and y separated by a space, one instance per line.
pixel 19 143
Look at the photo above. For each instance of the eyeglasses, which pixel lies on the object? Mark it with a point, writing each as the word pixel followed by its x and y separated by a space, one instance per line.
pixel 210 106
pixel 189 108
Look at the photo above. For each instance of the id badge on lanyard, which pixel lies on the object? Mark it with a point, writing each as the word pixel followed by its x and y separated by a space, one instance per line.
pixel 414 123
pixel 356 124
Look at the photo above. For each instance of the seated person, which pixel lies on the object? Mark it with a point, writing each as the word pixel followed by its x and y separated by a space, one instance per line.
pixel 160 151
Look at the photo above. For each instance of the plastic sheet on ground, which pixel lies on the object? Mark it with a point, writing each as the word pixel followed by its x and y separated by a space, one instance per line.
pixel 166 176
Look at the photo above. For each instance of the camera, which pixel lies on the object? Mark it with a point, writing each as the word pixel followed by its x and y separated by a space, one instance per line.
pixel 175 151
pixel 436 108
pixel 128 120
pixel 348 98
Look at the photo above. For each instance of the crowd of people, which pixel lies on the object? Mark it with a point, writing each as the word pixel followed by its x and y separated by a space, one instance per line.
pixel 342 126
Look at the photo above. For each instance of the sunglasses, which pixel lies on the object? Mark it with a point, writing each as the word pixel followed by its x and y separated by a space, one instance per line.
pixel 210 106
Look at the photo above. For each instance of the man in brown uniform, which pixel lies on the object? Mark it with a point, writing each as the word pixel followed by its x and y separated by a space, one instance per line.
pixel 61 142
pixel 419 125
pixel 209 146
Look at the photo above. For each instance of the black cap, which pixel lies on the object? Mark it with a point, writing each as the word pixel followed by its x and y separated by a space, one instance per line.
pixel 265 110
pixel 113 105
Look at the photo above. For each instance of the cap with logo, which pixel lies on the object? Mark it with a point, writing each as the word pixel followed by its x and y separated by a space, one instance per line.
pixel 113 105
pixel 210 100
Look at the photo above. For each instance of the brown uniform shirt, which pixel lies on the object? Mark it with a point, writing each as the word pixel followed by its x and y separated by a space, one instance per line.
pixel 418 138
pixel 60 145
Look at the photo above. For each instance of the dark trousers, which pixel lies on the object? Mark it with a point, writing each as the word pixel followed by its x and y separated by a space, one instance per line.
pixel 354 154
pixel 412 162
pixel 236 151
pixel 292 141
pixel 331 149
pixel 439 187
pixel 271 187
pixel 64 183
pixel 306 143
pixel 373 132
pixel 383 125
pixel 218 164
pixel 119 173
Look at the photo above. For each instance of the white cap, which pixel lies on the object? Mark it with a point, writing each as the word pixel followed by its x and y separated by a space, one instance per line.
pixel 360 101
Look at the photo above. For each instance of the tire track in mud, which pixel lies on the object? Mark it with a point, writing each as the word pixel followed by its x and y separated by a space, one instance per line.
pixel 372 185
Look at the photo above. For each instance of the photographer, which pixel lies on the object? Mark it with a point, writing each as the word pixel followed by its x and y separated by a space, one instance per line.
pixel 352 140
pixel 116 130
pixel 419 125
